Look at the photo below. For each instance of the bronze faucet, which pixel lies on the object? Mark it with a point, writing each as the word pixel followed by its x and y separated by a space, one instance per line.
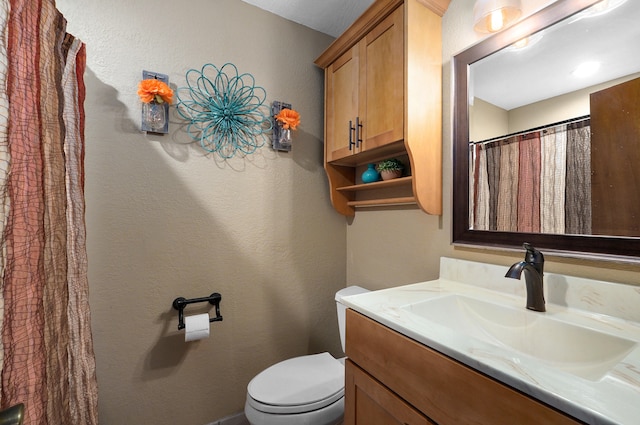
pixel 533 264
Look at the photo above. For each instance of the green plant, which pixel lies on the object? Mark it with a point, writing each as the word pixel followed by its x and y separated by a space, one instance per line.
pixel 390 165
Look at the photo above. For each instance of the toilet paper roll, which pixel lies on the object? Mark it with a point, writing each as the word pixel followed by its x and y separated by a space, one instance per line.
pixel 196 327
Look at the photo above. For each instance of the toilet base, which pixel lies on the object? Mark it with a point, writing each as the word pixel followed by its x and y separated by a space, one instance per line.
pixel 329 415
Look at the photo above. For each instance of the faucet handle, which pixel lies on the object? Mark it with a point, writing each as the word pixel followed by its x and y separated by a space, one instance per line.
pixel 533 255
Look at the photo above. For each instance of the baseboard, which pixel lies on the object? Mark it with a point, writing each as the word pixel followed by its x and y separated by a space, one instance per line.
pixel 236 419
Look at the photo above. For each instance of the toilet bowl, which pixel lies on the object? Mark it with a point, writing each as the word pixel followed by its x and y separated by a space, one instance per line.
pixel 306 390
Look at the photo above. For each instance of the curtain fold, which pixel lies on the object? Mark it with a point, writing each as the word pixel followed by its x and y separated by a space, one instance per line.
pixel 553 181
pixel 24 369
pixel 4 159
pixel 507 214
pixel 529 184
pixel 493 179
pixel 56 293
pixel 578 193
pixel 82 379
pixel 47 350
pixel 481 210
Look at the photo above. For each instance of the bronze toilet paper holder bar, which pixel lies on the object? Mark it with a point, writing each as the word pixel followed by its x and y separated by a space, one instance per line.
pixel 180 303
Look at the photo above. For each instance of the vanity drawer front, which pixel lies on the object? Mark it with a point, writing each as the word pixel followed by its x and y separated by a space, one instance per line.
pixel 374 404
pixel 441 388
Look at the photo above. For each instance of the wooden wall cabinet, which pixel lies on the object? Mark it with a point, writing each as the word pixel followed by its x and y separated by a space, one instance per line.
pixel 404 382
pixel 383 98
pixel 362 84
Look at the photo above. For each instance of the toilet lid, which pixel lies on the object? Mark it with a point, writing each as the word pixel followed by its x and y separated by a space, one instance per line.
pixel 298 385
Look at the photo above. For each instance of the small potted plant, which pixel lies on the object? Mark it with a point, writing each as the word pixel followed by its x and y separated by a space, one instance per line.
pixel 390 169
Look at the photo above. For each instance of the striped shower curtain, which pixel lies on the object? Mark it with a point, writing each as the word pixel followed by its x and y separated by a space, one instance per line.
pixel 46 351
pixel 533 182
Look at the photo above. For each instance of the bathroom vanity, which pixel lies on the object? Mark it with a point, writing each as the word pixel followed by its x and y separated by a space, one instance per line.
pixel 463 349
pixel 383 362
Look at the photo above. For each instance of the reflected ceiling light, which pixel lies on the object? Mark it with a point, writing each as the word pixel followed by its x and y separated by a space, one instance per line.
pixel 526 42
pixel 493 15
pixel 522 43
pixel 586 69
pixel 603 6
pixel 600 8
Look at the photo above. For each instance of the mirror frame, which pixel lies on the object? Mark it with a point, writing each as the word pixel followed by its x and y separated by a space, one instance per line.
pixel 572 245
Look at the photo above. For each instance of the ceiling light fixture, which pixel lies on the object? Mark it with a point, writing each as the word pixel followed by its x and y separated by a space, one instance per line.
pixel 493 15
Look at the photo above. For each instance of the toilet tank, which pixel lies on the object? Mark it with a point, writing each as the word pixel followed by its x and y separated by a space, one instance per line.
pixel 342 309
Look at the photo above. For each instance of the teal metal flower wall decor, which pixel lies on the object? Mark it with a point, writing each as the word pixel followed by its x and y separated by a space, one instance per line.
pixel 225 110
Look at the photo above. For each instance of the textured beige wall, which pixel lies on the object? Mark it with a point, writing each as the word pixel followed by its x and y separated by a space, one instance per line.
pixel 387 248
pixel 487 121
pixel 570 105
pixel 164 220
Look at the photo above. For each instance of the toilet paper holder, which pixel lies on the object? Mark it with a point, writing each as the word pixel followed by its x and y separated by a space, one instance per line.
pixel 180 303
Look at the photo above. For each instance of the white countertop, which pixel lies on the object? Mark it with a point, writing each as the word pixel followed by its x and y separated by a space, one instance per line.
pixel 602 306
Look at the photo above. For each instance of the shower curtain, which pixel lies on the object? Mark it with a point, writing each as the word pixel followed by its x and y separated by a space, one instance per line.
pixel 46 350
pixel 537 181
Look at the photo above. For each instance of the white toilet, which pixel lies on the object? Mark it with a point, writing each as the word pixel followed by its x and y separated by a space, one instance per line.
pixel 307 390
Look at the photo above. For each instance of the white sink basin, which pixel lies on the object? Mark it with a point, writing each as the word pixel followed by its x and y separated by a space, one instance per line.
pixel 584 352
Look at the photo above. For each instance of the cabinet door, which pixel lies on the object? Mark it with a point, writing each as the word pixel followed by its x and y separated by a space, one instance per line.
pixel 615 115
pixel 341 105
pixel 382 82
pixel 368 402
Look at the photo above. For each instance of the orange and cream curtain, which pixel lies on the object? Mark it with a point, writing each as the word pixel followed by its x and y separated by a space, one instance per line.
pixel 46 350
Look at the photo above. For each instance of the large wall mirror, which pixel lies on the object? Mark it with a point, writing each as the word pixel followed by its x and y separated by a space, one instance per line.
pixel 547 132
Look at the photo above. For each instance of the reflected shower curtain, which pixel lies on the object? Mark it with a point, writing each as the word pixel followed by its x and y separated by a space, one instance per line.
pixel 535 182
pixel 46 350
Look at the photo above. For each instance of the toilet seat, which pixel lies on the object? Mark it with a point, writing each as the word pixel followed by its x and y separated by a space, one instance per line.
pixel 298 385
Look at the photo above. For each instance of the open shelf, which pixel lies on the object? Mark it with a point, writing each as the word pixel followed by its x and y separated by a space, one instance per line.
pixel 402 181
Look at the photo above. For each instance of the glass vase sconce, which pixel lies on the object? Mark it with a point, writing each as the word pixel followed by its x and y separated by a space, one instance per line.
pixel 155 115
pixel 281 136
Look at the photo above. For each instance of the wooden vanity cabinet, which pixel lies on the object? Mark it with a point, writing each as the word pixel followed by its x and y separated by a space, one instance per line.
pixel 383 99
pixel 407 383
pixel 375 404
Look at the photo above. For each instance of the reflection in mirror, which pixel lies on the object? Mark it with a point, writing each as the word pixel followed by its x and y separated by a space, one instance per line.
pixel 547 132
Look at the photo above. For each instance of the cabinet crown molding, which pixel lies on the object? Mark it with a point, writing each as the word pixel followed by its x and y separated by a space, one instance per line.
pixel 374 14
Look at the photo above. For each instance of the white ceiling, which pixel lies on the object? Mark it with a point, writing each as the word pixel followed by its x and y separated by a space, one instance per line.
pixel 543 70
pixel 512 78
pixel 328 16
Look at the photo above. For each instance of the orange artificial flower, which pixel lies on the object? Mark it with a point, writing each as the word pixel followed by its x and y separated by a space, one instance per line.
pixel 152 89
pixel 288 118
